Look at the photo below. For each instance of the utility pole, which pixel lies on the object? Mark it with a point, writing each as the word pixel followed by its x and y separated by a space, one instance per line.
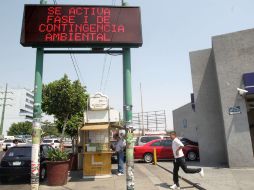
pixel 36 133
pixel 142 111
pixel 127 110
pixel 4 105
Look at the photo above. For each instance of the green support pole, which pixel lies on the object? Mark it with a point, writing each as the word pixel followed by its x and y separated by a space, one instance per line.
pixel 3 111
pixel 127 110
pixel 36 134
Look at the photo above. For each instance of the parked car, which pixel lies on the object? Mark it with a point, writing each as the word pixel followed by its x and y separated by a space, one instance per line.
pixel 9 143
pixel 164 151
pixel 55 143
pixel 67 143
pixel 142 140
pixel 186 141
pixel 17 162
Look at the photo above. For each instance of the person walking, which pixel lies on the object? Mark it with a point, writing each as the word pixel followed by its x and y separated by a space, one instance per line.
pixel 119 148
pixel 179 161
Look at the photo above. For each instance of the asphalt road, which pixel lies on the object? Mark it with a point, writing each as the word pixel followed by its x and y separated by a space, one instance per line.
pixel 147 176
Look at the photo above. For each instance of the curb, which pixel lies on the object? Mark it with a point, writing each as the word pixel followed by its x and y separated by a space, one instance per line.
pixel 184 179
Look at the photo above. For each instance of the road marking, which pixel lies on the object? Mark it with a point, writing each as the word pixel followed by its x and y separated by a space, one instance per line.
pixel 155 180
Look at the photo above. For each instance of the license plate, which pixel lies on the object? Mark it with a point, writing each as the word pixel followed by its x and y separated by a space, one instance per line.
pixel 16 163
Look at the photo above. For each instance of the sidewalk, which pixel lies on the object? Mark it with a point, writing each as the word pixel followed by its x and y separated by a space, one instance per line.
pixel 147 177
pixel 219 178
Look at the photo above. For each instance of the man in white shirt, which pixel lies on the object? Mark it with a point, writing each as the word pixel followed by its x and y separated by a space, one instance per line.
pixel 179 161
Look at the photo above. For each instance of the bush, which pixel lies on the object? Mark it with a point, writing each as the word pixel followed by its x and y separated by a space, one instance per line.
pixel 57 155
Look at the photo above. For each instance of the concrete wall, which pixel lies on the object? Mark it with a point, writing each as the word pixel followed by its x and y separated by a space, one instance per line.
pixel 234 55
pixel 184 122
pixel 208 109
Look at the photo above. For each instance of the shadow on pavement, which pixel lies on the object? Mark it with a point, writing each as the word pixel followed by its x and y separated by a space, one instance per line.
pixel 165 185
pixel 17 181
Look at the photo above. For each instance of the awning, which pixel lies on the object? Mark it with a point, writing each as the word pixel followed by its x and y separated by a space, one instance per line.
pixel 94 127
pixel 248 80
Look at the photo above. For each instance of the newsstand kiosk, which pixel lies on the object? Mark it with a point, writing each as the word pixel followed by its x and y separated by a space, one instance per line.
pixel 96 136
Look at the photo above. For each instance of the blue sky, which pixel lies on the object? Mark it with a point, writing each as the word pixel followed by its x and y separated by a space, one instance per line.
pixel 171 29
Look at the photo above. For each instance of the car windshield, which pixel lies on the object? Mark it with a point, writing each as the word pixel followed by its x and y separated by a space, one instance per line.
pixel 47 141
pixel 19 152
pixel 148 139
pixel 8 141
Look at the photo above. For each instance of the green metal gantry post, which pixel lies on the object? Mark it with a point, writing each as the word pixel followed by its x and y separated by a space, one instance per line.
pixel 127 110
pixel 36 134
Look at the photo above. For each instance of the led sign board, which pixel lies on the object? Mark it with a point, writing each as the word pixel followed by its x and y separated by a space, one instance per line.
pixel 81 26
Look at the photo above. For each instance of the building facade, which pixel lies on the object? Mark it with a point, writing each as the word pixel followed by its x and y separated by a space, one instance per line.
pixel 19 107
pixel 223 117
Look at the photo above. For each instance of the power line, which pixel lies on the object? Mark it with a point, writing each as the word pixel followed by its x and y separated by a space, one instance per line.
pixel 108 73
pixel 103 70
pixel 75 62
pixel 80 74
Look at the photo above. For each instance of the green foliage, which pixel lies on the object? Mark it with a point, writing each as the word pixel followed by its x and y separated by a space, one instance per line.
pixel 57 155
pixel 49 129
pixel 63 98
pixel 72 125
pixel 20 128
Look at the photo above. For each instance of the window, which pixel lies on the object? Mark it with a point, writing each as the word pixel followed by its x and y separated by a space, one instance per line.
pixel 28 107
pixel 29 95
pixel 47 141
pixel 148 139
pixel 45 149
pixel 57 141
pixel 167 143
pixel 158 143
pixel 19 152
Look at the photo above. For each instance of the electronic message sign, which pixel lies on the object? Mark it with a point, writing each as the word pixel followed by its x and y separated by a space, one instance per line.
pixel 81 26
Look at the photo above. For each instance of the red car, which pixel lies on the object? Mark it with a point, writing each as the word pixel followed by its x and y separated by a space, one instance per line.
pixel 164 151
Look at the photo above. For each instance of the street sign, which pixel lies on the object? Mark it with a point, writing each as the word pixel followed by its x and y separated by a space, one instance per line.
pixel 81 26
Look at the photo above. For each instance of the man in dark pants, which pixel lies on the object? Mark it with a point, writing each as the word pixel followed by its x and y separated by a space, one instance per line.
pixel 179 161
pixel 120 155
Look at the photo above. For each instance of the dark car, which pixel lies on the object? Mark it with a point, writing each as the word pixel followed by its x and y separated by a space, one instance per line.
pixel 186 141
pixel 17 162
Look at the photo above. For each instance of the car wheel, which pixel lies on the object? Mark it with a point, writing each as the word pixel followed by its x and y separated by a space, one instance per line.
pixel 4 179
pixel 148 157
pixel 192 156
pixel 43 174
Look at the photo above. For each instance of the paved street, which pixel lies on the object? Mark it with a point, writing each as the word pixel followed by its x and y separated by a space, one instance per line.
pixel 148 177
pixel 219 178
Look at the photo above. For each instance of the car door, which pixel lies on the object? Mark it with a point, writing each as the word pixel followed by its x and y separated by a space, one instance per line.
pixel 167 152
pixel 158 146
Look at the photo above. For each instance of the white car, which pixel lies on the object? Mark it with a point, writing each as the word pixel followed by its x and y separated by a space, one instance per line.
pixel 8 143
pixel 55 143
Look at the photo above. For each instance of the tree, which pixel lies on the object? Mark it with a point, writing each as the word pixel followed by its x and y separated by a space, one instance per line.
pixel 49 129
pixel 64 99
pixel 20 128
pixel 72 127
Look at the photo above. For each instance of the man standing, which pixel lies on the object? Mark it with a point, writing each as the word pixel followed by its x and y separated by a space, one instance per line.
pixel 119 148
pixel 179 161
